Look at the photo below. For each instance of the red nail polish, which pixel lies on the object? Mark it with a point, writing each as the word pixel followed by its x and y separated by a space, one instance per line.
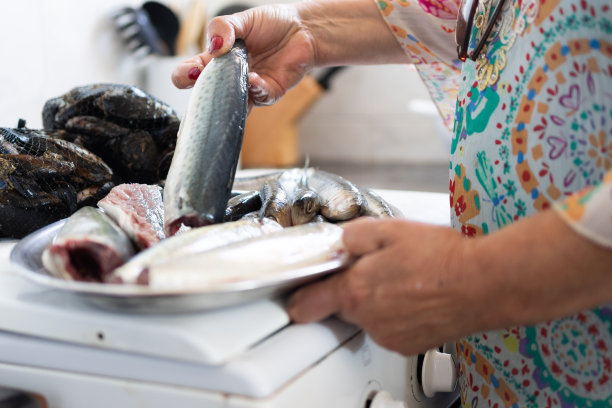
pixel 194 73
pixel 216 42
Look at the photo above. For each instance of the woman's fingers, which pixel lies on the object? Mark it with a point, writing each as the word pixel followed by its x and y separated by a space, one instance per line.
pixel 186 73
pixel 365 235
pixel 315 301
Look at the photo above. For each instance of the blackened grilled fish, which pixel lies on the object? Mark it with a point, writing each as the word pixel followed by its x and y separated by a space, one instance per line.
pixel 202 171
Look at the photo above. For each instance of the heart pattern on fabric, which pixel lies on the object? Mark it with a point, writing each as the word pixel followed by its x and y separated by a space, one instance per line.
pixel 572 99
pixel 557 146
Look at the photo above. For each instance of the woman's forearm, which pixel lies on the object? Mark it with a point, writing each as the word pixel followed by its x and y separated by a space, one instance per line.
pixel 540 269
pixel 349 32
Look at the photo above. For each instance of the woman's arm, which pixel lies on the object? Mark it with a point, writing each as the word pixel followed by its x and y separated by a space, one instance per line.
pixel 286 41
pixel 415 286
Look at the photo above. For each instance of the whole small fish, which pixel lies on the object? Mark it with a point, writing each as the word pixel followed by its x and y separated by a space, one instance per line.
pixel 305 207
pixel 377 206
pixel 189 242
pixel 202 171
pixel 256 258
pixel 304 202
pixel 340 199
pixel 88 247
pixel 276 203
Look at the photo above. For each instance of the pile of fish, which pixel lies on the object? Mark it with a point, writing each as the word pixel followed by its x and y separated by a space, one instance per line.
pixel 273 222
pixel 204 226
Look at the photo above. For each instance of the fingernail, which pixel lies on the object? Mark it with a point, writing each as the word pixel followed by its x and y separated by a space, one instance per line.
pixel 216 42
pixel 194 73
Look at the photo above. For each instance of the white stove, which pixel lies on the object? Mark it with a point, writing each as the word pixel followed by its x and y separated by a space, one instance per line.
pixel 77 355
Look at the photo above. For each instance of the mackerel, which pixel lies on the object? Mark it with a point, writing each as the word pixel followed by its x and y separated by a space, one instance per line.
pixel 202 171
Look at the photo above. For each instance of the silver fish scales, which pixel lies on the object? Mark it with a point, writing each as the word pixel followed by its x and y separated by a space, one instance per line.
pixel 202 171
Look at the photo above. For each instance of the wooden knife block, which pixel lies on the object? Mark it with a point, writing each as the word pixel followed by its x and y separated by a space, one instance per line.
pixel 271 136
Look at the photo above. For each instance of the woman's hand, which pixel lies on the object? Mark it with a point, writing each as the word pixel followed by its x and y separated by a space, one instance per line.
pixel 416 286
pixel 403 290
pixel 280 50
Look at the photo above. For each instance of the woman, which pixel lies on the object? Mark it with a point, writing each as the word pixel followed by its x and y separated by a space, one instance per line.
pixel 528 298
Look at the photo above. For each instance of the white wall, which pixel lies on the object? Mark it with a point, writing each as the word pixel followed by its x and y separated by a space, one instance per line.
pixel 371 113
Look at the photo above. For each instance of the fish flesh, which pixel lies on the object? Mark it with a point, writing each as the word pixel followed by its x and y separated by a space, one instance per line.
pixel 340 199
pixel 196 240
pixel 377 206
pixel 43 180
pixel 257 258
pixel 88 247
pixel 242 204
pixel 202 171
pixel 139 211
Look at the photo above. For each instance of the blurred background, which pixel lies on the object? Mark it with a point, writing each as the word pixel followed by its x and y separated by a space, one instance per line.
pixel 372 124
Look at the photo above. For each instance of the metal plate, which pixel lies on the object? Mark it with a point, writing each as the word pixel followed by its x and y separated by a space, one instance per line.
pixel 28 251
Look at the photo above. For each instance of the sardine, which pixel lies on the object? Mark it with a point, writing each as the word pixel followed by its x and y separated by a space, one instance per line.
pixel 275 203
pixel 139 211
pixel 242 204
pixel 88 247
pixel 377 206
pixel 209 140
pixel 189 242
pixel 256 258
pixel 305 206
pixel 341 200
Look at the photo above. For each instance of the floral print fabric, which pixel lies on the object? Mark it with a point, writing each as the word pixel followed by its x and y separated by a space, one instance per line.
pixel 532 131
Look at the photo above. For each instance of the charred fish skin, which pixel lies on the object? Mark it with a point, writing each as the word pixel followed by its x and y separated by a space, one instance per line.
pixel 202 171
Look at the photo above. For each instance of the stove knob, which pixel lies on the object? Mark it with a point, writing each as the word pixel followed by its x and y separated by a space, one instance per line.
pixel 383 399
pixel 439 373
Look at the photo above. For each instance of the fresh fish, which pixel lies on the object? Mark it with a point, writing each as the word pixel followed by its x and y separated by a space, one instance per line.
pixel 340 199
pixel 305 206
pixel 43 180
pixel 189 242
pixel 256 258
pixel 377 206
pixel 139 211
pixel 275 203
pixel 88 247
pixel 242 204
pixel 210 137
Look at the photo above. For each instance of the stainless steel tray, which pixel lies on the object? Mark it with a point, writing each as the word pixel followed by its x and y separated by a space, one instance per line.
pixel 143 299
